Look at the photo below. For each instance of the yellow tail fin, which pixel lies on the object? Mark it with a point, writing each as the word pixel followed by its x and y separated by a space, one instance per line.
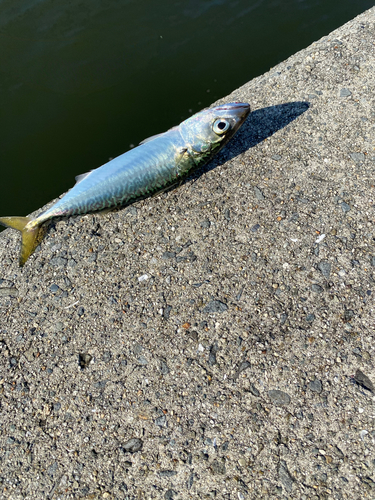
pixel 30 238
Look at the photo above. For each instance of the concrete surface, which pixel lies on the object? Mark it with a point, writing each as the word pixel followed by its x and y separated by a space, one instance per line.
pixel 206 343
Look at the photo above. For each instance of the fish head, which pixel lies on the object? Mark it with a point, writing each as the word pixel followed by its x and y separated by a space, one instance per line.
pixel 206 132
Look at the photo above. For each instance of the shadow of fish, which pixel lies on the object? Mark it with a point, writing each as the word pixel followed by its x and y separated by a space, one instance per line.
pixel 158 163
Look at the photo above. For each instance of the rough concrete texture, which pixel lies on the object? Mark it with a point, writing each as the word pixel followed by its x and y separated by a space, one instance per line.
pixel 216 341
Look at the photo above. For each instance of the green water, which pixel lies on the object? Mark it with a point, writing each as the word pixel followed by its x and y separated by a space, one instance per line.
pixel 82 81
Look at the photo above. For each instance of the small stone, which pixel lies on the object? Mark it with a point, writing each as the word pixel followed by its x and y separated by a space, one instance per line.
pixel 170 494
pixel 190 481
pixel 276 157
pixel 255 228
pixel 316 386
pixel 58 262
pixel 84 360
pixel 283 318
pixel 142 361
pixel 205 224
pixel 316 288
pixel 212 356
pixel 242 462
pixel 279 398
pixel 168 255
pixel 52 469
pixel 357 157
pixel 325 268
pixel 167 311
pixel 348 315
pixel 218 467
pixel 285 477
pixel 243 366
pixel 310 318
pixel 161 421
pixel 215 306
pixel 167 473
pixel 258 193
pixel 107 356
pixel 345 93
pixel 132 210
pixel 59 326
pixel 345 207
pixel 8 292
pixel 363 380
pixel 54 288
pixel 133 445
pixel 254 391
pixel 164 369
pixel 29 354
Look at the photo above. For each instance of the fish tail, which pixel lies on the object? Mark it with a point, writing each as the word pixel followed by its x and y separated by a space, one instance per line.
pixel 29 230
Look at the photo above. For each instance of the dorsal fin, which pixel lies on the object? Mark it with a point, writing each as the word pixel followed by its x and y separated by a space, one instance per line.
pixel 156 135
pixel 151 138
pixel 80 177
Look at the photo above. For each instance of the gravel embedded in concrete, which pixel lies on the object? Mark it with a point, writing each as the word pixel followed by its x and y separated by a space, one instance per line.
pixel 215 341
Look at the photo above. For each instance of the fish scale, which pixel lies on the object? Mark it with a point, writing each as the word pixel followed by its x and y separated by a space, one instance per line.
pixel 156 164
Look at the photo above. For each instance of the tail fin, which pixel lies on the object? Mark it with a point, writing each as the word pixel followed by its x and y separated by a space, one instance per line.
pixel 30 238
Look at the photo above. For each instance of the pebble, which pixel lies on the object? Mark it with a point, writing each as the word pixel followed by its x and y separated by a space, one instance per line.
pixel 142 361
pixel 254 391
pixel 279 398
pixel 52 469
pixel 218 467
pixel 161 421
pixel 212 356
pixel 316 288
pixel 325 268
pixel 164 369
pixel 345 207
pixel 133 445
pixel 345 93
pixel 170 494
pixel 243 366
pixel 363 380
pixel 205 224
pixel 84 360
pixel 316 385
pixel 215 306
pixel 58 262
pixel 357 157
pixel 167 473
pixel 258 193
pixel 8 292
pixel 284 476
pixel 168 255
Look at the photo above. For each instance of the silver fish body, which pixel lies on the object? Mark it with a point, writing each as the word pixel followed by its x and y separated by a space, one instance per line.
pixel 156 164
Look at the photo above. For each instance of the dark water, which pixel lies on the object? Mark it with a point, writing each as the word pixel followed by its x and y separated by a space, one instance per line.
pixel 82 81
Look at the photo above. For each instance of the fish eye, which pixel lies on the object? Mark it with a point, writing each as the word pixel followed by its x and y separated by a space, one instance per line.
pixel 220 126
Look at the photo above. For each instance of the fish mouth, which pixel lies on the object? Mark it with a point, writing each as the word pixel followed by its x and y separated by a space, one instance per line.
pixel 240 109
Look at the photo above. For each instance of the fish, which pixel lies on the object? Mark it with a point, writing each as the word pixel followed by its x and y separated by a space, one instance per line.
pixel 155 165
